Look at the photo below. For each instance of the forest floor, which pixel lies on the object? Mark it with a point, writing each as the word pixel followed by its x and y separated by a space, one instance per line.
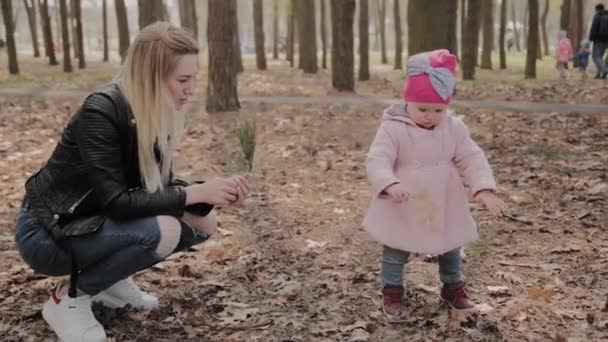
pixel 293 264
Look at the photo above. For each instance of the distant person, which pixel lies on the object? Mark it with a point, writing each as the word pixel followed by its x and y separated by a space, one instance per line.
pixel 599 36
pixel 582 57
pixel 414 165
pixel 563 54
pixel 509 38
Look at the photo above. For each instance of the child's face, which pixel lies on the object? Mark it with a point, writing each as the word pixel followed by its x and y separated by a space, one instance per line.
pixel 426 115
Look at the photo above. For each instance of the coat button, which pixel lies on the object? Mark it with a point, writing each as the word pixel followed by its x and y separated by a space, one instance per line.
pixel 56 216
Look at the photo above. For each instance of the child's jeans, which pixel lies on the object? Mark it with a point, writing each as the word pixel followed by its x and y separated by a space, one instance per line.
pixel 393 261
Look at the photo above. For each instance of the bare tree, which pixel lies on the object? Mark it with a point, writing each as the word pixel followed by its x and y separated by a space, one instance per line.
pixel 487 15
pixel 576 24
pixel 398 38
pixel 427 19
pixel 106 52
pixel 222 87
pixel 532 47
pixel 187 16
pixel 342 56
pixel 463 23
pixel 452 23
pixel 77 14
pixel 515 27
pixel 471 39
pixel 258 27
pixel 501 36
pixel 543 21
pixel 7 15
pixel 291 34
pixel 323 7
pixel 48 33
pixel 363 40
pixel 564 19
pixel 67 60
pixel 236 40
pixel 275 29
pixel 151 11
pixel 381 22
pixel 307 37
pixel 30 8
pixel 123 28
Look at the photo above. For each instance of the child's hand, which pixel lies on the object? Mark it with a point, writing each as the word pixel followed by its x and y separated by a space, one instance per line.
pixel 494 204
pixel 397 193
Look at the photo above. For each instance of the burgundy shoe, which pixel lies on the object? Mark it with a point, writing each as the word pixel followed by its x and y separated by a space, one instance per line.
pixel 392 300
pixel 456 296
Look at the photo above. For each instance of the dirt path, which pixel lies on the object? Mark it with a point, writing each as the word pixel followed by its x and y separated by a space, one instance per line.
pixel 513 106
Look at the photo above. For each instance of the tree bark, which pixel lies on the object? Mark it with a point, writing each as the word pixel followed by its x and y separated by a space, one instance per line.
pixel 487 15
pixel 364 40
pixel 30 9
pixel 532 47
pixel 222 87
pixel 275 29
pixel 398 38
pixel 471 40
pixel 501 36
pixel 238 55
pixel 67 59
pixel 258 28
pixel 123 28
pixel 452 23
pixel 307 37
pixel 187 15
pixel 79 36
pixel 48 33
pixel 544 28
pixel 576 24
pixel 72 26
pixel 44 43
pixel 427 19
pixel 381 8
pixel 564 19
pixel 9 26
pixel 342 57
pixel 324 33
pixel 463 24
pixel 291 34
pixel 515 28
pixel 106 51
pixel 151 11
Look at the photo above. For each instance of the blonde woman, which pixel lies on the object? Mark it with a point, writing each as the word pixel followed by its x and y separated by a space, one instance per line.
pixel 106 205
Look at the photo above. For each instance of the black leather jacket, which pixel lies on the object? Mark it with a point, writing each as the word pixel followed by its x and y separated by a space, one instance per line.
pixel 93 172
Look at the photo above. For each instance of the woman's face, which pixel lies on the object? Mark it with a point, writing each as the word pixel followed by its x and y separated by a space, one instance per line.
pixel 182 80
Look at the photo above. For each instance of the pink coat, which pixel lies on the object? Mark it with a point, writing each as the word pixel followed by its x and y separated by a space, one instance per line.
pixel 563 53
pixel 436 219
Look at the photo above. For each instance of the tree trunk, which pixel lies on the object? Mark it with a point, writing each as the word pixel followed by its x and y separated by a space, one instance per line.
pixel 533 9
pixel 342 56
pixel 501 36
pixel 576 24
pixel 79 36
pixel 398 38
pixel 187 16
pixel 44 43
pixel 452 23
pixel 544 28
pixel 487 14
pixel 381 8
pixel 222 87
pixel 515 28
pixel 307 36
pixel 363 40
pixel 72 26
pixel 106 51
pixel 275 29
pixel 463 24
pixel 238 56
pixel 258 28
pixel 526 22
pixel 426 22
pixel 9 26
pixel 471 39
pixel 65 33
pixel 291 34
pixel 48 33
pixel 123 28
pixel 151 11
pixel 30 8
pixel 324 33
pixel 564 19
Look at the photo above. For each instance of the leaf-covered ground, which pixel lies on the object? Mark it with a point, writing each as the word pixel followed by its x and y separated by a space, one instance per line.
pixel 293 264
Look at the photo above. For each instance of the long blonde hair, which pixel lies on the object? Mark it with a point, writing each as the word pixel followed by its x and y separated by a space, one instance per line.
pixel 142 79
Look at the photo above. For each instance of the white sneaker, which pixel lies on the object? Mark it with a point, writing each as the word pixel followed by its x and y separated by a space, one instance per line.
pixel 124 293
pixel 72 318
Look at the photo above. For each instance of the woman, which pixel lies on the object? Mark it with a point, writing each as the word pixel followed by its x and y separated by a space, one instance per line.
pixel 105 205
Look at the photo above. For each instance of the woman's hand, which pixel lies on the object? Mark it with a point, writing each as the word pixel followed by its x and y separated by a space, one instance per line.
pixel 219 191
pixel 242 186
pixel 494 204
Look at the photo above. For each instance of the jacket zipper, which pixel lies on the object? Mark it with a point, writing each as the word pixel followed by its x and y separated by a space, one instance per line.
pixel 77 203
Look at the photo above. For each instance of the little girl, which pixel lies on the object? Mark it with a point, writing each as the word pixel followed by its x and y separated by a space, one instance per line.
pixel 419 202
pixel 563 54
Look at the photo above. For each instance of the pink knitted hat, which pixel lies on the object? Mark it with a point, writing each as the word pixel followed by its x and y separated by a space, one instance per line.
pixel 431 77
